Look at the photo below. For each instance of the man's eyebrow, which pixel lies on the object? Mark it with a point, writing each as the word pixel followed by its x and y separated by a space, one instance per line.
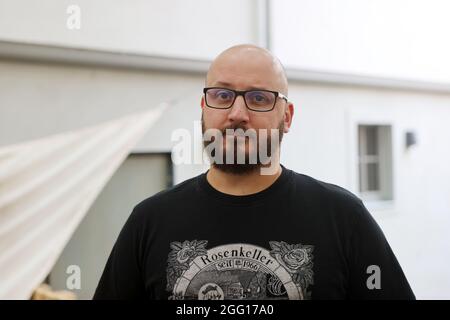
pixel 228 85
pixel 220 83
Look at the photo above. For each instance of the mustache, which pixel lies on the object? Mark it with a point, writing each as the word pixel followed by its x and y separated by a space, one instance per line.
pixel 235 127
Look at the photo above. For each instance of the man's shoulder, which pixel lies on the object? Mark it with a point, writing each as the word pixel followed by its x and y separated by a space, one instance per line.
pixel 330 200
pixel 323 191
pixel 170 196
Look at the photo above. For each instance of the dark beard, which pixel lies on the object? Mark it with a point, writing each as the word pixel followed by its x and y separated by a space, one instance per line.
pixel 245 168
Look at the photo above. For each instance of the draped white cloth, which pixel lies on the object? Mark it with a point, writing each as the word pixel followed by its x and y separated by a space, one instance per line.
pixel 46 188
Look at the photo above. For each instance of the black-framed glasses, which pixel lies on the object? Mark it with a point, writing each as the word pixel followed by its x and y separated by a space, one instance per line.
pixel 257 100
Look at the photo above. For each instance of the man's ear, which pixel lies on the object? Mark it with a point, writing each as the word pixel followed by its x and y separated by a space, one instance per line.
pixel 202 102
pixel 288 115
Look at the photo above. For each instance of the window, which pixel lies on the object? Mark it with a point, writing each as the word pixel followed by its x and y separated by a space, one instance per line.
pixel 140 176
pixel 375 162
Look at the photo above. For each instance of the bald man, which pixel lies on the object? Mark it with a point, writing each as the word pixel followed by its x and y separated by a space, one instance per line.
pixel 250 228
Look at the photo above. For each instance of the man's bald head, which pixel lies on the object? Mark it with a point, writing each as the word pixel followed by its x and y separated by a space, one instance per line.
pixel 247 66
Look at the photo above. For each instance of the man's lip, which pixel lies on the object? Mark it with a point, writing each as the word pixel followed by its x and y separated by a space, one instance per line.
pixel 238 130
pixel 235 134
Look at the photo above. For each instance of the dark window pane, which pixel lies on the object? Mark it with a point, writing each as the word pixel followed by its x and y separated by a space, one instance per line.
pixel 373 177
pixel 361 187
pixel 360 140
pixel 371 140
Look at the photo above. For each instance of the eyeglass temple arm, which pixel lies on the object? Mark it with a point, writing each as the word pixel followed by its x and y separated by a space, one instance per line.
pixel 282 96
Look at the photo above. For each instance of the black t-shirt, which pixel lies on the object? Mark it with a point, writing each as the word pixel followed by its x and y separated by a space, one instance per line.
pixel 300 238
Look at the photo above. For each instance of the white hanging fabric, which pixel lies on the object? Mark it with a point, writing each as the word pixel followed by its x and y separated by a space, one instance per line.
pixel 46 188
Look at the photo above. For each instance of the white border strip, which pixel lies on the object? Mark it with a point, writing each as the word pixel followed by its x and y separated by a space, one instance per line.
pixel 98 58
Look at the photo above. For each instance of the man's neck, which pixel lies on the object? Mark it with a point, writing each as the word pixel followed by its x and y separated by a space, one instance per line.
pixel 240 185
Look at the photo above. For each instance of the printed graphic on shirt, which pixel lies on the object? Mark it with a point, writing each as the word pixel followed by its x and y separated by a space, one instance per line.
pixel 239 271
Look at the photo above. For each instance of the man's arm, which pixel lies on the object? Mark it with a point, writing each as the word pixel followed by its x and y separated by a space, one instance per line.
pixel 374 270
pixel 122 276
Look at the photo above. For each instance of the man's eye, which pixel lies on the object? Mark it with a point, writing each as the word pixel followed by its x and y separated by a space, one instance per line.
pixel 223 95
pixel 260 98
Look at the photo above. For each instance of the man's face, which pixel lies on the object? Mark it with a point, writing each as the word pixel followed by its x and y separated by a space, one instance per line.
pixel 246 69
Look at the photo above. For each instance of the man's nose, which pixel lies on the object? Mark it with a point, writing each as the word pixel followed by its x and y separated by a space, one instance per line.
pixel 238 111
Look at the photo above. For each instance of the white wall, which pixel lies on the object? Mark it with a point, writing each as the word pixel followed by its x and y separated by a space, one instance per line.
pixel 399 39
pixel 323 144
pixel 187 28
pixel 38 99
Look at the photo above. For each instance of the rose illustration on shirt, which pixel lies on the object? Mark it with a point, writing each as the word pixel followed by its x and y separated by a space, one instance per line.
pixel 185 254
pixel 181 255
pixel 295 258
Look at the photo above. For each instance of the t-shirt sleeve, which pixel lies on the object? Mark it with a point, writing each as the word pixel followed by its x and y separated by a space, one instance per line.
pixel 122 276
pixel 374 270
